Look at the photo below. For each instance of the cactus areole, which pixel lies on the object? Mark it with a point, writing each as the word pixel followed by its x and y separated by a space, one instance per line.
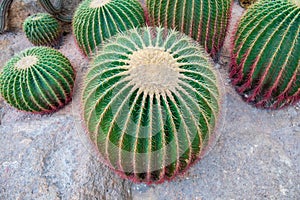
pixel 265 65
pixel 150 103
pixel 205 21
pixel 38 80
pixel 97 20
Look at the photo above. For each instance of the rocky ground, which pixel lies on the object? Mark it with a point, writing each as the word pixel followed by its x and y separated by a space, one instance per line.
pixel 256 155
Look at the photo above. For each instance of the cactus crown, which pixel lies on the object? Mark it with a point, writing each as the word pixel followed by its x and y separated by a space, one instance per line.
pixel 97 20
pixel 204 20
pixel 98 3
pixel 42 29
pixel 266 54
pixel 150 102
pixel 37 80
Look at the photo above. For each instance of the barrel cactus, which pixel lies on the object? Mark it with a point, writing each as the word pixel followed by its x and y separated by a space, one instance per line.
pixel 38 80
pixel 266 54
pixel 205 21
pixel 96 20
pixel 150 103
pixel 42 29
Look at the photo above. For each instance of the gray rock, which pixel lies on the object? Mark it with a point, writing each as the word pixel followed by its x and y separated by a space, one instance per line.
pixel 49 157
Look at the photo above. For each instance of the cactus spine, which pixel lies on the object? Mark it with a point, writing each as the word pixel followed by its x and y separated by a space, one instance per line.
pixel 4 7
pixel 42 29
pixel 266 54
pixel 150 102
pixel 96 20
pixel 37 80
pixel 204 20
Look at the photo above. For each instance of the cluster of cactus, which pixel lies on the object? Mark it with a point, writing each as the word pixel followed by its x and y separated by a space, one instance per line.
pixel 150 103
pixel 38 80
pixel 266 54
pixel 97 20
pixel 56 10
pixel 150 99
pixel 205 21
pixel 4 7
pixel 42 29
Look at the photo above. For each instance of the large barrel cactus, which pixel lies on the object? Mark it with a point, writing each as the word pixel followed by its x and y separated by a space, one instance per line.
pixel 204 20
pixel 150 103
pixel 96 20
pixel 266 54
pixel 42 29
pixel 38 80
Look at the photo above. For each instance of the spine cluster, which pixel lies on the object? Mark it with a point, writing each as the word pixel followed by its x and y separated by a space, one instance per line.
pixel 94 21
pixel 266 54
pixel 38 80
pixel 205 21
pixel 150 103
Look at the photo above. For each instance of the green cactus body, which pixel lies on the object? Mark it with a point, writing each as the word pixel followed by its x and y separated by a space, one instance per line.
pixel 266 54
pixel 150 103
pixel 205 21
pixel 96 20
pixel 37 80
pixel 42 29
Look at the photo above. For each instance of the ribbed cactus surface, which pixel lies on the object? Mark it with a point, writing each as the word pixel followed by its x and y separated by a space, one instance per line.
pixel 96 20
pixel 204 20
pixel 150 103
pixel 266 54
pixel 38 80
pixel 42 29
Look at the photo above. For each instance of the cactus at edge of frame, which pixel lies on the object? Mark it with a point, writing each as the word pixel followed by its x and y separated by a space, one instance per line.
pixel 97 20
pixel 265 66
pixel 206 21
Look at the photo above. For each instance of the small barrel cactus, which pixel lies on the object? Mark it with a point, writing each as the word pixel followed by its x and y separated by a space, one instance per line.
pixel 42 29
pixel 205 21
pixel 96 20
pixel 150 103
pixel 38 80
pixel 266 54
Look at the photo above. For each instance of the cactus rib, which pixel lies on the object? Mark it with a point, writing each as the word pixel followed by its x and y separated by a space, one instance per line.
pixel 266 54
pixel 150 103
pixel 4 7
